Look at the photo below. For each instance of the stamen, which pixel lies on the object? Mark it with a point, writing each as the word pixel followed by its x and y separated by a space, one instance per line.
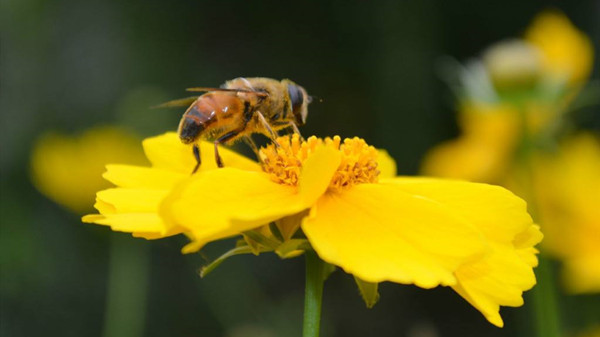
pixel 284 163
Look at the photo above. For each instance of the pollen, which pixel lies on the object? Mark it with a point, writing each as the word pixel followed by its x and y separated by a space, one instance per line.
pixel 283 163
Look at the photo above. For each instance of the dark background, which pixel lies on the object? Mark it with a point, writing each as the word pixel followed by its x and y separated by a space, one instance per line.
pixel 70 64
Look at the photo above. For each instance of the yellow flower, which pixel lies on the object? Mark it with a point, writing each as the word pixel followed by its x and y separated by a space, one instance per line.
pixel 492 129
pixel 476 238
pixel 484 151
pixel 567 53
pixel 567 188
pixel 68 169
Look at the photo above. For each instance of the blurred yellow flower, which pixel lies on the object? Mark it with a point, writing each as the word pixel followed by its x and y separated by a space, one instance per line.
pixel 484 151
pixel 476 238
pixel 68 169
pixel 567 187
pixel 519 104
pixel 567 53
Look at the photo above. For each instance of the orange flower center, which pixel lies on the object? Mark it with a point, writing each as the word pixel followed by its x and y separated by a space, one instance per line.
pixel 284 163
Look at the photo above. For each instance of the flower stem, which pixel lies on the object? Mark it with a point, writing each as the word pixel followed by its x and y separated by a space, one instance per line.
pixel 315 277
pixel 127 286
pixel 547 316
pixel 544 295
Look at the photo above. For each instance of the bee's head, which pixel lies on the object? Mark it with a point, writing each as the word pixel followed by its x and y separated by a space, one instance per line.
pixel 299 100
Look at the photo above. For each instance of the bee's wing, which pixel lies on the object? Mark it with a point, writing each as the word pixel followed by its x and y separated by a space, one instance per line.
pixel 258 93
pixel 182 102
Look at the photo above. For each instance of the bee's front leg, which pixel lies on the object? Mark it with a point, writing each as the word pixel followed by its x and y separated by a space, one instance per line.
pixel 286 124
pixel 272 134
pixel 296 130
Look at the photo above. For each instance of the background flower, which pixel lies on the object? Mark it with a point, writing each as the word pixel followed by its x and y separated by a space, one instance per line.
pixel 567 188
pixel 66 168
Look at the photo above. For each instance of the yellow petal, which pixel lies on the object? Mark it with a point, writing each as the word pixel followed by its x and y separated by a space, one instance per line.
pixel 501 276
pixel 147 225
pixel 167 152
pixel 132 210
pixel 317 171
pixel 525 242
pixel 494 210
pixel 386 164
pixel 142 177
pixel 380 233
pixel 498 279
pixel 129 200
pixel 228 201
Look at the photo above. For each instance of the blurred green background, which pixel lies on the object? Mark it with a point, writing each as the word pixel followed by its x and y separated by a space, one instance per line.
pixel 69 65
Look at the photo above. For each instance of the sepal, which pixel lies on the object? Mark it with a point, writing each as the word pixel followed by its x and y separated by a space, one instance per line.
pixel 368 292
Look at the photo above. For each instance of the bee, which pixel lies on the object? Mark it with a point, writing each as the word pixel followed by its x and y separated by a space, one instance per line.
pixel 238 109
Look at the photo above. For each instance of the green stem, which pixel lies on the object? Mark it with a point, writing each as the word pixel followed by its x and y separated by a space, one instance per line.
pixel 127 285
pixel 315 277
pixel 545 301
pixel 544 294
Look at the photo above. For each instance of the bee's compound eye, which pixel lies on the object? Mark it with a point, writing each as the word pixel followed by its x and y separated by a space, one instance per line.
pixel 297 101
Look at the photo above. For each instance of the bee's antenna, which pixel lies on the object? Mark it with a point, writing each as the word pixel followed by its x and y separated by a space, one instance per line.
pixel 313 97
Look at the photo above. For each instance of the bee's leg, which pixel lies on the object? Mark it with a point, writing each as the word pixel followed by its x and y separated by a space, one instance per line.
pixel 289 124
pixel 272 134
pixel 223 139
pixel 250 142
pixel 296 130
pixel 196 150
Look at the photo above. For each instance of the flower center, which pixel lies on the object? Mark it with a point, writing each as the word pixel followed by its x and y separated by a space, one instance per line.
pixel 284 163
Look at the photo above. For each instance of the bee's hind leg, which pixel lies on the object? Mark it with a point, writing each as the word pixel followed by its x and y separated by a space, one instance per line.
pixel 226 137
pixel 196 150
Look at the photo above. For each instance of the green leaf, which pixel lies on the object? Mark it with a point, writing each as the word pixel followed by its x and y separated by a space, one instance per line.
pixel 368 291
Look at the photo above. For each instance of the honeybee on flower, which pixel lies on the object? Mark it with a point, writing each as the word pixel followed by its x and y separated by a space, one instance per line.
pixel 238 109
